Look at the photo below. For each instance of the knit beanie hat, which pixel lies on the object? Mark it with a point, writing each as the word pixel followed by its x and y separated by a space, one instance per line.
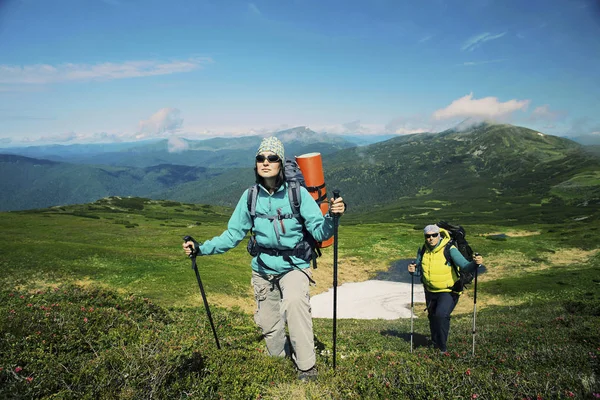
pixel 431 228
pixel 273 145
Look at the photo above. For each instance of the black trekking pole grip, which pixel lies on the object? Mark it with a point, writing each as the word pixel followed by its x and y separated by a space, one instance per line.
pixel 204 299
pixel 194 252
pixel 336 194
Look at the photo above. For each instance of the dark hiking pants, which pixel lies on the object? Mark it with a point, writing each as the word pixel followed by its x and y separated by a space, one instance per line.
pixel 439 307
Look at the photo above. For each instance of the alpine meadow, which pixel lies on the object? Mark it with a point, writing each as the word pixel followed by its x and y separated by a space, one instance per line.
pixel 99 301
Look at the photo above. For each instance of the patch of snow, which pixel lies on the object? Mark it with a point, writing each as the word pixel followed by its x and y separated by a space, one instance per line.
pixel 368 300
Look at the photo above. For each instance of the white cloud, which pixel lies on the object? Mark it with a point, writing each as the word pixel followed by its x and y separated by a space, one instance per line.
pixel 45 73
pixel 352 127
pixel 74 137
pixel 486 108
pixel 165 120
pixel 544 113
pixel 474 63
pixel 476 41
pixel 425 39
pixel 177 145
pixel 253 8
pixel 405 126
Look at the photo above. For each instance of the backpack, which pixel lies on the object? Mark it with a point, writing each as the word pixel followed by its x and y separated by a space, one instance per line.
pixel 308 249
pixel 458 240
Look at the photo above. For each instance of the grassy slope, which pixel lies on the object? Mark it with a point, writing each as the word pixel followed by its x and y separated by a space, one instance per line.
pixel 537 322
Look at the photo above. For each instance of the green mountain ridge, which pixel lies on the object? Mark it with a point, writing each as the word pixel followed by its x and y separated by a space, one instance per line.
pixel 498 169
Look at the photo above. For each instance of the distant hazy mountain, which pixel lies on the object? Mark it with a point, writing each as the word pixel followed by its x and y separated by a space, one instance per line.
pixel 492 166
pixel 587 140
pixel 210 153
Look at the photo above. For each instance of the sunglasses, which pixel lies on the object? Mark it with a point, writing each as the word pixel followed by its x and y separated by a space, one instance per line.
pixel 271 157
pixel 428 235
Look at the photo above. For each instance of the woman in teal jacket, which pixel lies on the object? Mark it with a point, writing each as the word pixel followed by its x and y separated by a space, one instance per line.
pixel 280 278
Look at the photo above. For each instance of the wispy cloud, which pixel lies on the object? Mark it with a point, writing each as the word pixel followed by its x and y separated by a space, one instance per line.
pixel 476 41
pixel 253 8
pixel 425 39
pixel 486 108
pixel 475 63
pixel 544 113
pixel 46 73
pixel 165 120
pixel 408 125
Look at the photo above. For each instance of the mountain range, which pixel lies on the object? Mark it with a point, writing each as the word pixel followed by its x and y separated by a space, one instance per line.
pixel 488 167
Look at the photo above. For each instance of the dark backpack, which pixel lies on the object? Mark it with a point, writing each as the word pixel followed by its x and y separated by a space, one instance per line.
pixel 458 240
pixel 308 249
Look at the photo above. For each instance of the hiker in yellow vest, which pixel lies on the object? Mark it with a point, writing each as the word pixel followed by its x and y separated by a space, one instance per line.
pixel 438 277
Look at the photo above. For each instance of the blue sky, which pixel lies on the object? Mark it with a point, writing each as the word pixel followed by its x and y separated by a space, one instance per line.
pixel 74 71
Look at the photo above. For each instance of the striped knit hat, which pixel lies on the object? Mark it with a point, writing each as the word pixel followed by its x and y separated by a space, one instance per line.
pixel 272 144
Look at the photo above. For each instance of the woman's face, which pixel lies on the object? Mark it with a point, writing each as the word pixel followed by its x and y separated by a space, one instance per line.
pixel 266 168
pixel 432 238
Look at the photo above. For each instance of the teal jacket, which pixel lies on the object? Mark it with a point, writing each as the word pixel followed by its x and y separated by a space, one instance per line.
pixel 272 234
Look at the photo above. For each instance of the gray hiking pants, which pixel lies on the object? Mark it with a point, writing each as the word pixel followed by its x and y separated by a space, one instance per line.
pixel 281 299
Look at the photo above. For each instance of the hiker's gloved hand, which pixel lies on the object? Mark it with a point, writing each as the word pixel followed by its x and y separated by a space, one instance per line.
pixel 191 246
pixel 337 206
pixel 412 267
pixel 478 259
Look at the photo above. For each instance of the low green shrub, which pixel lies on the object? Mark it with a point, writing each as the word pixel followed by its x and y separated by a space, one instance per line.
pixel 69 342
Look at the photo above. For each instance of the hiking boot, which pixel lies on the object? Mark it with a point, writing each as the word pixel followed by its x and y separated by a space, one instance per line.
pixel 308 375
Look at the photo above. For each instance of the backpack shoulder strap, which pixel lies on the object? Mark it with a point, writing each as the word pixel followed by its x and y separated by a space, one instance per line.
pixel 447 252
pixel 447 248
pixel 295 198
pixel 252 196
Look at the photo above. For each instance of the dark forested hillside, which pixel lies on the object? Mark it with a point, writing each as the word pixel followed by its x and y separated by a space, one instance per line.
pixel 31 183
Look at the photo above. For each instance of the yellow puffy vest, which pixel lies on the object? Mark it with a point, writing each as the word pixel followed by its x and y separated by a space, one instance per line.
pixel 438 276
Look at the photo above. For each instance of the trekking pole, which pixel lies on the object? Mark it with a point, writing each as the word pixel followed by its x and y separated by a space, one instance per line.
pixel 195 268
pixel 336 194
pixel 412 308
pixel 475 305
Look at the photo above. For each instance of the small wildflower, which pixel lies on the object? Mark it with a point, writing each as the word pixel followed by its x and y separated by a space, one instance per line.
pixel 474 396
pixel 468 371
pixel 18 369
pixel 29 379
pixel 85 320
